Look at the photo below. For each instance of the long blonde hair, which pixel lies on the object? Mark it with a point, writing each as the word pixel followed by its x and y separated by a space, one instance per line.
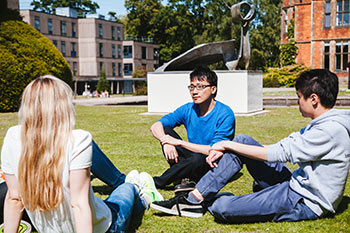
pixel 47 118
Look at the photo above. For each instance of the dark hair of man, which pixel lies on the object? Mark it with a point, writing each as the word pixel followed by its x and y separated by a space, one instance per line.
pixel 205 74
pixel 320 82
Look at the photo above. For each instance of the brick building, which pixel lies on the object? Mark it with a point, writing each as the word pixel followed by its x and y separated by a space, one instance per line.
pixel 90 43
pixel 322 33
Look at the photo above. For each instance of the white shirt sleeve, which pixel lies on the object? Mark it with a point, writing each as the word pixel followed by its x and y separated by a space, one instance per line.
pixel 11 150
pixel 81 155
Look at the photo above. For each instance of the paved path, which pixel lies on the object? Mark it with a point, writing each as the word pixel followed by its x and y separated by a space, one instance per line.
pixel 111 101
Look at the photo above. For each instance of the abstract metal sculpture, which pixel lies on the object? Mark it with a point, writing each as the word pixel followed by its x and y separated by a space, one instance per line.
pixel 209 53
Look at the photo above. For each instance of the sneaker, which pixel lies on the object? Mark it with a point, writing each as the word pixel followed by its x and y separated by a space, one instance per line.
pixel 148 187
pixel 185 187
pixel 179 205
pixel 24 227
pixel 133 177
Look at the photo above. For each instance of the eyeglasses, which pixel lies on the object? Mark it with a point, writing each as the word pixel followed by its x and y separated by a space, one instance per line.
pixel 198 87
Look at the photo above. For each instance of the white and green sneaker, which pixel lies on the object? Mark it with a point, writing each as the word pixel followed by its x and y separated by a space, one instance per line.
pixel 148 187
pixel 133 177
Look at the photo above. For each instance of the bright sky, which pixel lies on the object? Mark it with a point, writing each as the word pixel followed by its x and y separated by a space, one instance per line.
pixel 105 6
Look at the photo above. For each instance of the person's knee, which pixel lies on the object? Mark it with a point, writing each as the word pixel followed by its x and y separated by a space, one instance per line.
pixel 241 138
pixel 221 208
pixel 168 130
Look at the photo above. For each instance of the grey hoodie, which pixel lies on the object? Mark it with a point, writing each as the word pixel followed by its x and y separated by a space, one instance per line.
pixel 322 151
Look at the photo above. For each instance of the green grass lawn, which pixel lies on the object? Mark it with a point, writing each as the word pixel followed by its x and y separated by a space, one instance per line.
pixel 123 134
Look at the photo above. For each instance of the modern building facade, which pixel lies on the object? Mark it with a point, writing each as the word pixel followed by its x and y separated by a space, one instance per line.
pixel 322 33
pixel 91 44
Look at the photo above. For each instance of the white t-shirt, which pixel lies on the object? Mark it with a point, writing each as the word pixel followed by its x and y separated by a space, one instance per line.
pixel 60 219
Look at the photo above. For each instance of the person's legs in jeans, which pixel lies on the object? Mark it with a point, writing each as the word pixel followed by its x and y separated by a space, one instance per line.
pixel 126 205
pixel 230 164
pixel 275 203
pixel 190 165
pixel 103 169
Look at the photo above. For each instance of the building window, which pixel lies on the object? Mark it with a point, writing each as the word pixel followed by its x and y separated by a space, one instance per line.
pixel 55 42
pixel 326 56
pixel 127 50
pixel 128 69
pixel 63 28
pixel 100 31
pixel 101 49
pixel 144 52
pixel 75 68
pixel 73 51
pixel 327 21
pixel 341 55
pixel 113 50
pixel 285 22
pixel 119 69
pixel 114 69
pixel 118 33
pixel 119 51
pixel 342 12
pixel 63 48
pixel 49 26
pixel 101 66
pixel 74 30
pixel 37 23
pixel 113 33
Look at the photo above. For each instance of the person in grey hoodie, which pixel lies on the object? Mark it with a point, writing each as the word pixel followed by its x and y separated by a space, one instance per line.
pixel 321 149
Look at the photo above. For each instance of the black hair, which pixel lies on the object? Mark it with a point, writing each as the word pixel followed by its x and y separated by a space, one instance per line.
pixel 320 82
pixel 203 73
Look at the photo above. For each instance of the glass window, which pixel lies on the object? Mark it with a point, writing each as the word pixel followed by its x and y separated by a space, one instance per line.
pixel 37 23
pixel 113 33
pixel 127 51
pixel 128 69
pixel 118 33
pixel 63 28
pixel 328 15
pixel 119 69
pixel 114 71
pixel 101 49
pixel 342 14
pixel 101 66
pixel 119 51
pixel 100 31
pixel 155 54
pixel 341 55
pixel 326 56
pixel 63 48
pixel 74 30
pixel 73 51
pixel 345 55
pixel 55 42
pixel 113 50
pixel 144 52
pixel 49 26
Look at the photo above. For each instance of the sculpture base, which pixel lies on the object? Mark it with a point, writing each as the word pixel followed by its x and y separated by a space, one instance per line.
pixel 241 90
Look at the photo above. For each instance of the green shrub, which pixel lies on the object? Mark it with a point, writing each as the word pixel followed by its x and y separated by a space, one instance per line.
pixel 102 83
pixel 140 86
pixel 25 54
pixel 285 76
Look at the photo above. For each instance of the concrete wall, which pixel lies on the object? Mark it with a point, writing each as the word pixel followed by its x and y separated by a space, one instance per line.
pixel 241 90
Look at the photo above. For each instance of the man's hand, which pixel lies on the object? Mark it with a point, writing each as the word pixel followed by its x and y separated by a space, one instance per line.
pixel 167 139
pixel 170 153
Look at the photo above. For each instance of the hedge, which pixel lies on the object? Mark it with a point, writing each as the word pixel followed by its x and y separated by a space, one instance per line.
pixel 25 54
pixel 285 76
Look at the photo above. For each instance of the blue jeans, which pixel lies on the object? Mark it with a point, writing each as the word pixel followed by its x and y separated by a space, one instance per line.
pixel 124 202
pixel 126 205
pixel 276 202
pixel 103 169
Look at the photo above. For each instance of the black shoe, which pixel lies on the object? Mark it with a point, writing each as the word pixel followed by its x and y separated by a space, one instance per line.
pixel 178 205
pixel 185 187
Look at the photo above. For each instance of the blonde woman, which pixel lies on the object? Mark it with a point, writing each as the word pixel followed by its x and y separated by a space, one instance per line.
pixel 47 163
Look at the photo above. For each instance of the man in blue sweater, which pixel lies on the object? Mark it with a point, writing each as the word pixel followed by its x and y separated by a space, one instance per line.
pixel 321 149
pixel 206 120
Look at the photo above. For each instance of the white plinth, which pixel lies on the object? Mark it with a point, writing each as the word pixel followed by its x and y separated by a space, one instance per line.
pixel 240 90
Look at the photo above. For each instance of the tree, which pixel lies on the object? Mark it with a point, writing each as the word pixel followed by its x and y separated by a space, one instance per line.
pixel 82 6
pixel 103 83
pixel 289 51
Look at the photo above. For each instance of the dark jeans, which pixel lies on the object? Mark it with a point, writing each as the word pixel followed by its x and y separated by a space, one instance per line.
pixel 190 165
pixel 276 202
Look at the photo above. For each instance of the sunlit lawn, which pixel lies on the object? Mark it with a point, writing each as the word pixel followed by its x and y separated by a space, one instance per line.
pixel 123 134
